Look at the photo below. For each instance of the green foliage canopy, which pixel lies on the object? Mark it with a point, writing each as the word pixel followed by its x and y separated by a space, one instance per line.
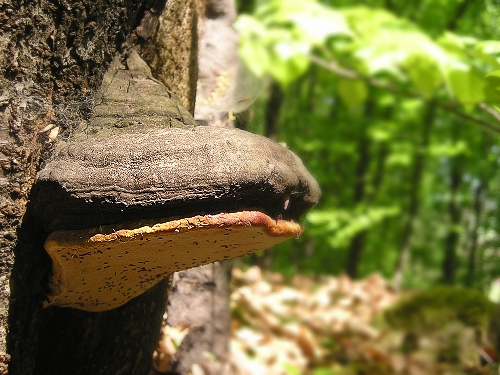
pixel 391 107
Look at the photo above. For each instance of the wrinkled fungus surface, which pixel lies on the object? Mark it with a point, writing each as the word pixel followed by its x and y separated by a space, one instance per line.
pixel 222 193
pixel 172 173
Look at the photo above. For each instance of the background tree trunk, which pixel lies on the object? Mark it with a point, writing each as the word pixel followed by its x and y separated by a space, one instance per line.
pixel 413 204
pixel 199 297
pixel 364 155
pixel 451 258
pixel 52 57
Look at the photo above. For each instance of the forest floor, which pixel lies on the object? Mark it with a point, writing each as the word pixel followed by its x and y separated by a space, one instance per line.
pixel 338 326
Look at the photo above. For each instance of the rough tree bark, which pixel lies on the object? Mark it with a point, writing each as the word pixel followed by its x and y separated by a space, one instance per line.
pixel 53 55
pixel 199 300
pixel 199 297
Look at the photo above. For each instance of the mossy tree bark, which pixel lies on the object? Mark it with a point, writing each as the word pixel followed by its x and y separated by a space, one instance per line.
pixel 53 55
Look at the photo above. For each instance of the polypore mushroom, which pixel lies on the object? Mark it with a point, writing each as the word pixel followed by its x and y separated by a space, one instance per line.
pixel 134 199
pixel 98 272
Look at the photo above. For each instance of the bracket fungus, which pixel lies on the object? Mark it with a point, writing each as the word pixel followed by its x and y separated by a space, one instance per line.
pixel 141 192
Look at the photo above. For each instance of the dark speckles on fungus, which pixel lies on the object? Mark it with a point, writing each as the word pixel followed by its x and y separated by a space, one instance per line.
pixel 99 194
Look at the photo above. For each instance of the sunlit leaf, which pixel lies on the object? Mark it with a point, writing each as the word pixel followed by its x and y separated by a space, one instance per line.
pixel 343 225
pixel 456 44
pixel 317 26
pixel 288 61
pixel 424 73
pixel 488 51
pixel 449 149
pixel 353 92
pixel 465 83
pixel 252 49
pixel 314 22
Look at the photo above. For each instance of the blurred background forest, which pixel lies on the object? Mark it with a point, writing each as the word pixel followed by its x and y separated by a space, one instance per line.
pixel 392 105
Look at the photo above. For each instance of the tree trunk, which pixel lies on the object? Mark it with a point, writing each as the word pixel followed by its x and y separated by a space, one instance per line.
pixel 413 204
pixel 53 57
pixel 199 297
pixel 479 191
pixel 273 109
pixel 450 261
pixel 357 243
pixel 199 300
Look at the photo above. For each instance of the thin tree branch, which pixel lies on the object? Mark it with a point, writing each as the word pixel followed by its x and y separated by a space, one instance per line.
pixel 491 111
pixel 479 121
pixel 334 67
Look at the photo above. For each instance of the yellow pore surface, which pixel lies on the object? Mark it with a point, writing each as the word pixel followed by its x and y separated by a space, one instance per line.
pixel 99 272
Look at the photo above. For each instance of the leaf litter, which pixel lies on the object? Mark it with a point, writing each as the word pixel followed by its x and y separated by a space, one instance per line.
pixel 338 326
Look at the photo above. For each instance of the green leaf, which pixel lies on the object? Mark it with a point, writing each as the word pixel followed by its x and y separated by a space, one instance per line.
pixel 256 58
pixel 274 51
pixel 456 44
pixel 320 24
pixel 401 155
pixel 252 48
pixel 383 130
pixel 465 83
pixel 288 61
pixel 487 51
pixel 340 226
pixel 493 78
pixel 353 92
pixel 424 73
pixel 366 22
pixel 313 22
pixel 384 42
pixel 449 149
pixel 492 89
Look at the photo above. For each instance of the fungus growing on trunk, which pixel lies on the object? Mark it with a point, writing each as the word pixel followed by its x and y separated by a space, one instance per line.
pixel 141 192
pixel 98 272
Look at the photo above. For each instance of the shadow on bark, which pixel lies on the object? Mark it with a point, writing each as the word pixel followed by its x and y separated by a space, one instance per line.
pixel 68 341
